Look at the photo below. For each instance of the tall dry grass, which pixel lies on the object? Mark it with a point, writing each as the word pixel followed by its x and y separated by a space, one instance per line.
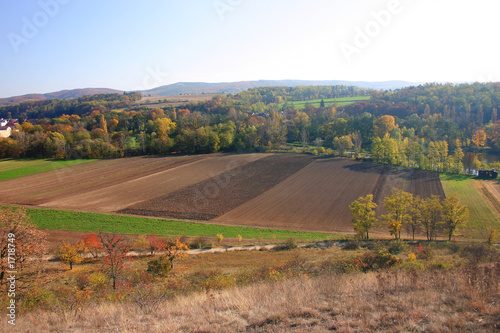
pixel 456 300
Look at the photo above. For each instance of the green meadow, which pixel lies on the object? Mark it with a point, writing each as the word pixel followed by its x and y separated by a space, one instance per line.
pixel 481 215
pixel 50 219
pixel 14 168
pixel 341 101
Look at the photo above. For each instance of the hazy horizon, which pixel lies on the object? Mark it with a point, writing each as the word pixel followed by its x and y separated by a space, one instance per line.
pixel 53 45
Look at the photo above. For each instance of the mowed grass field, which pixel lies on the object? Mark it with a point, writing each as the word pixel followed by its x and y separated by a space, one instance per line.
pixel 341 101
pixel 52 219
pixel 481 215
pixel 14 168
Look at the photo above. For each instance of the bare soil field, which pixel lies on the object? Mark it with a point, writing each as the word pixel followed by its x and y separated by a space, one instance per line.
pixel 121 195
pixel 47 186
pixel 110 185
pixel 418 182
pixel 317 198
pixel 220 194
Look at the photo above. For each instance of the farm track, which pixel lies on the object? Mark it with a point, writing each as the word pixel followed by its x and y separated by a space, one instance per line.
pixel 218 195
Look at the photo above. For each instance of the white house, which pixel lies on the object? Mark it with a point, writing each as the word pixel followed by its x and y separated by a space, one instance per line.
pixel 5 131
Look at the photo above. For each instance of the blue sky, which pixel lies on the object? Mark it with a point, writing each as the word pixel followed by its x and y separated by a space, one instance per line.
pixel 50 45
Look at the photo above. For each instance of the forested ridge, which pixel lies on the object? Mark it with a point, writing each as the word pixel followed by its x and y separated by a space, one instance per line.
pixel 429 126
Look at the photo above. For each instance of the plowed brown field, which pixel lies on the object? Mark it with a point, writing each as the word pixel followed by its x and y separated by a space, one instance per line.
pixel 220 194
pixel 317 197
pixel 287 191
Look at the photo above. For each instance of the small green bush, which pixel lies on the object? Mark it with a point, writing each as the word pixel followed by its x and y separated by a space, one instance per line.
pixel 161 266
pixel 397 246
pixel 424 252
pixel 376 260
pixel 478 252
pixel 351 245
pixel 289 244
pixel 200 242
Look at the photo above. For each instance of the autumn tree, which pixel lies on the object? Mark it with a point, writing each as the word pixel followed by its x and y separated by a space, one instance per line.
pixel 156 244
pixel 71 253
pixel 479 138
pixel 431 209
pixel 455 215
pixel 357 140
pixel 397 205
pixel 175 249
pixel 383 125
pixel 415 214
pixel 16 232
pixel 115 250
pixel 363 213
pixel 92 244
pixel 342 144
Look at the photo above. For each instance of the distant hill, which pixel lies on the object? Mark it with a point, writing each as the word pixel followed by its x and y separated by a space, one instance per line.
pixel 63 94
pixel 196 88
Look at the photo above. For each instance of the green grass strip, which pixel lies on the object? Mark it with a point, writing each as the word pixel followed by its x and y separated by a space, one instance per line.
pixel 50 219
pixel 10 169
pixel 481 216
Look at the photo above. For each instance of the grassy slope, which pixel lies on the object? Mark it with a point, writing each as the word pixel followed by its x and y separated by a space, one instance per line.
pixel 90 222
pixel 11 168
pixel 481 215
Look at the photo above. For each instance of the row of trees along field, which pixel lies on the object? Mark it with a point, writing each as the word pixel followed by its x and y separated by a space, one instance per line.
pixel 429 216
pixel 430 126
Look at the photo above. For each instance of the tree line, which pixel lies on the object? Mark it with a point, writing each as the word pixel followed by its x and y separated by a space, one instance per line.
pixel 429 126
pixel 429 216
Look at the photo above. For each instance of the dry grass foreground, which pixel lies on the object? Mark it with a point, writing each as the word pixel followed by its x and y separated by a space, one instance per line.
pixel 456 300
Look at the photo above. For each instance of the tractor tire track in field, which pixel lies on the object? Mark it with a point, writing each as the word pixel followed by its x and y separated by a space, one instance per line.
pixel 218 195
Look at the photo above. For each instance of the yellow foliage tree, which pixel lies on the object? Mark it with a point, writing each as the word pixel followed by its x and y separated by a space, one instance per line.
pixel 479 138
pixel 383 125
pixel 397 205
pixel 71 253
pixel 363 213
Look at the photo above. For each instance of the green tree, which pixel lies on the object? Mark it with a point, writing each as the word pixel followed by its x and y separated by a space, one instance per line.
pixel 342 144
pixel 455 215
pixel 363 213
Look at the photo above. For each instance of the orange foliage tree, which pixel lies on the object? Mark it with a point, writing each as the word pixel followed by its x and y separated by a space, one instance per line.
pixel 92 244
pixel 383 125
pixel 19 241
pixel 175 249
pixel 479 138
pixel 115 250
pixel 156 244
